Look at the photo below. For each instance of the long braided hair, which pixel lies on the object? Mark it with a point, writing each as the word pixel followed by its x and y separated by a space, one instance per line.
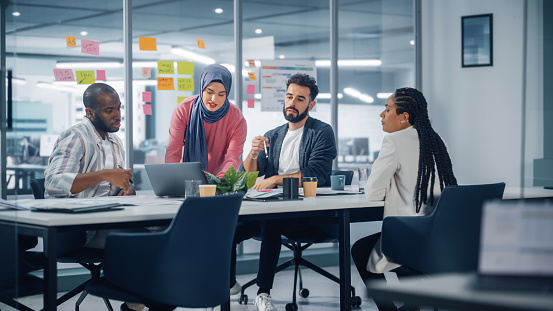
pixel 432 150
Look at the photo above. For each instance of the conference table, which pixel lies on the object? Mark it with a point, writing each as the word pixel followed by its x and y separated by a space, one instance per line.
pixel 149 210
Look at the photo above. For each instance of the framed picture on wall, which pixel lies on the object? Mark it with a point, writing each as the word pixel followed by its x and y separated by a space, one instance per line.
pixel 477 40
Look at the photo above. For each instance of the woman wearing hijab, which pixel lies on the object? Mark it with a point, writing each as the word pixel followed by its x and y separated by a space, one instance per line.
pixel 206 128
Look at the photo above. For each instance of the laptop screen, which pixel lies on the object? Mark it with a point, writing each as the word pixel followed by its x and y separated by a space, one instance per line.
pixel 517 238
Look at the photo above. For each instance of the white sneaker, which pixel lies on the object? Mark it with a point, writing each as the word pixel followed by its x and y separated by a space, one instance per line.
pixel 235 289
pixel 264 302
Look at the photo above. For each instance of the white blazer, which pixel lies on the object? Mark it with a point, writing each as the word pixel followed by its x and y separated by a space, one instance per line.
pixel 393 179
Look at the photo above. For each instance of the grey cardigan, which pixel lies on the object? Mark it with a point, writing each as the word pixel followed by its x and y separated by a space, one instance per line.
pixel 317 150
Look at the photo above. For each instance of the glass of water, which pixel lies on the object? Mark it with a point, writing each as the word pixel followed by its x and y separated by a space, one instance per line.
pixel 363 173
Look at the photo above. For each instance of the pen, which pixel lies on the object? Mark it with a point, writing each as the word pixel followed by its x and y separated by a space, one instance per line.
pixel 130 179
pixel 266 152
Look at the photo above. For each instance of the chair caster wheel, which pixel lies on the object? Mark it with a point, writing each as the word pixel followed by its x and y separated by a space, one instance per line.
pixel 291 307
pixel 355 301
pixel 304 292
pixel 243 299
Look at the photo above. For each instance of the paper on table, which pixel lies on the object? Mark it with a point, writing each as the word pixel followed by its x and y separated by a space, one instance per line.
pixel 259 194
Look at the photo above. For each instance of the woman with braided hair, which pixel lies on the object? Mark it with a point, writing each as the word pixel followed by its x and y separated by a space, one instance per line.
pixel 413 167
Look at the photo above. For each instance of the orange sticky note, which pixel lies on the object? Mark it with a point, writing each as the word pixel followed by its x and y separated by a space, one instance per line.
pixel 147 109
pixel 101 75
pixel 165 84
pixel 147 97
pixel 251 102
pixel 251 62
pixel 251 89
pixel 71 41
pixel 252 76
pixel 147 44
pixel 146 72
pixel 201 43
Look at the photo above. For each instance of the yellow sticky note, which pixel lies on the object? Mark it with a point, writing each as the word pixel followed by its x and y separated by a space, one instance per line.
pixel 146 72
pixel 181 98
pixel 185 68
pixel 71 41
pixel 186 84
pixel 165 84
pixel 147 44
pixel 85 77
pixel 252 76
pixel 165 67
pixel 201 43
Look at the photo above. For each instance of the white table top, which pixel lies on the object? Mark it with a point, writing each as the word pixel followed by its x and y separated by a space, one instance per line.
pixel 149 207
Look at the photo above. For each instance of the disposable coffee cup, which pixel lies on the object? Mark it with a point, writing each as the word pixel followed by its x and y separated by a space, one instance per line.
pixel 207 190
pixel 309 187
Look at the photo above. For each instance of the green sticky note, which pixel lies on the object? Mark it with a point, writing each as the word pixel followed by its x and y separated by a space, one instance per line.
pixel 185 68
pixel 85 77
pixel 165 67
pixel 181 98
pixel 186 84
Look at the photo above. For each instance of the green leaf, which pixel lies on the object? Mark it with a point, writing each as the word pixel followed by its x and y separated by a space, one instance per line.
pixel 252 177
pixel 240 183
pixel 233 181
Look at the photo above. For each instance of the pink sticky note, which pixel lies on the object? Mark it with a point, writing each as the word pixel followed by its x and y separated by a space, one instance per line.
pixel 251 89
pixel 64 75
pixel 90 47
pixel 147 97
pixel 147 109
pixel 101 75
pixel 251 101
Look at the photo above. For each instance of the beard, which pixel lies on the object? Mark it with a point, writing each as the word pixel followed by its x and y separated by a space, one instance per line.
pixel 101 125
pixel 299 117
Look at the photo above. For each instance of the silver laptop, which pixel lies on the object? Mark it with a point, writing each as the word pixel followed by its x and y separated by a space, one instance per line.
pixel 516 245
pixel 167 179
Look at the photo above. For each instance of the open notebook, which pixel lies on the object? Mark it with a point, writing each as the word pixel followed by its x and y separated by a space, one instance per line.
pixel 516 245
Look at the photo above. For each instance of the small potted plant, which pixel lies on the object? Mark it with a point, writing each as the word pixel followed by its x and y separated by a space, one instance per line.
pixel 233 181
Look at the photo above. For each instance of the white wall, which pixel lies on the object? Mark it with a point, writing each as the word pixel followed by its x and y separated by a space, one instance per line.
pixel 478 109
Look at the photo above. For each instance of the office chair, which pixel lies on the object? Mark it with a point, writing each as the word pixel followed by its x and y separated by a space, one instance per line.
pixel 299 241
pixel 90 258
pixel 187 265
pixel 447 240
pixel 15 280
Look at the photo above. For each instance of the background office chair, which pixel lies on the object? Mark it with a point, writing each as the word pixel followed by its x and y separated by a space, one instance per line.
pixel 447 240
pixel 90 258
pixel 15 281
pixel 299 241
pixel 187 265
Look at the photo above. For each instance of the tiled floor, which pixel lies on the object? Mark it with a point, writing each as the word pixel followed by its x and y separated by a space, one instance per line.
pixel 323 295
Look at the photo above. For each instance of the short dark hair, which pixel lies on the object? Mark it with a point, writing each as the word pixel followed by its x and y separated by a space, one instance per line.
pixel 305 80
pixel 91 94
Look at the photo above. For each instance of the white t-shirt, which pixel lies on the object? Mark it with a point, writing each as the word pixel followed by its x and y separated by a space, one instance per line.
pixel 103 188
pixel 289 161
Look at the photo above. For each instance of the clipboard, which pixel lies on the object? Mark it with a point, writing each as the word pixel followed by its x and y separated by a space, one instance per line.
pixel 82 209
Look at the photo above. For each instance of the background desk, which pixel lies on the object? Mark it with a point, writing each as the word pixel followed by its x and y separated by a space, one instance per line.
pixel 152 211
pixel 457 292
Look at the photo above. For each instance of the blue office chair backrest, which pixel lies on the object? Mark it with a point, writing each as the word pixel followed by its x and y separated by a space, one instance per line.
pixel 348 175
pixel 189 262
pixel 446 240
pixel 38 187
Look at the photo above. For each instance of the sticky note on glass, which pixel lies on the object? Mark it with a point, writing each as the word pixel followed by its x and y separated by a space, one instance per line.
pixel 185 68
pixel 90 47
pixel 181 98
pixel 147 109
pixel 85 77
pixel 165 67
pixel 146 72
pixel 186 84
pixel 147 97
pixel 101 75
pixel 165 84
pixel 251 62
pixel 251 89
pixel 252 76
pixel 251 102
pixel 201 43
pixel 64 75
pixel 147 44
pixel 71 41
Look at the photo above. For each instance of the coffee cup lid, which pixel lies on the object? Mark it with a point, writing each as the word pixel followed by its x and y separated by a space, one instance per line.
pixel 304 179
